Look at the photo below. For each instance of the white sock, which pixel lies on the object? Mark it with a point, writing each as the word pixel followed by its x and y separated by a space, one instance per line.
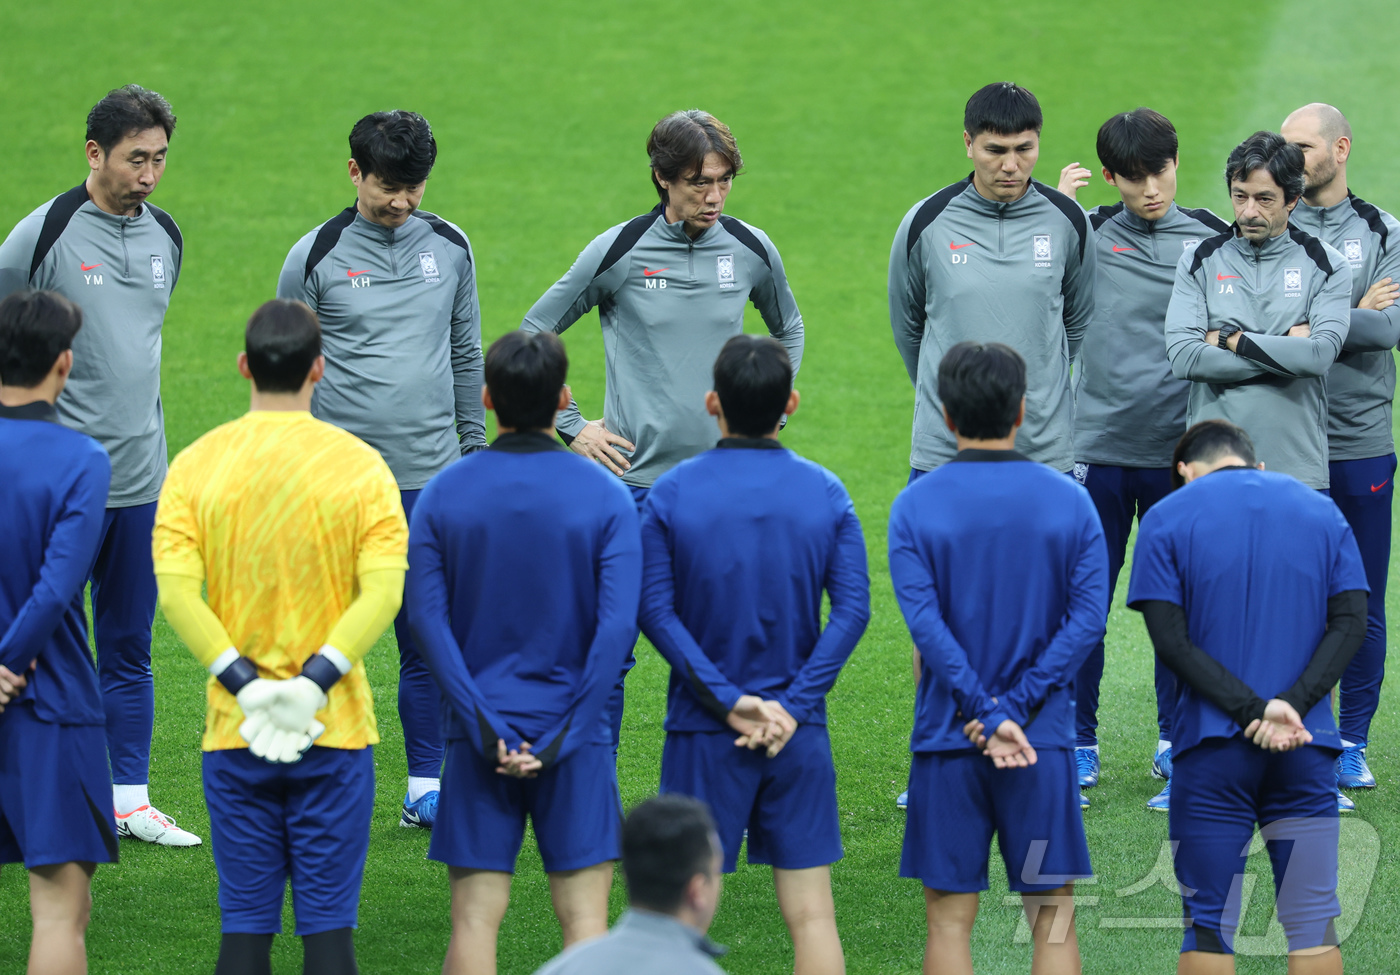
pixel 1348 744
pixel 419 786
pixel 1163 745
pixel 129 798
pixel 1092 748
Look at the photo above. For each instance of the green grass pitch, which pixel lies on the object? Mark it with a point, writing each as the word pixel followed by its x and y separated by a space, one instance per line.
pixel 847 114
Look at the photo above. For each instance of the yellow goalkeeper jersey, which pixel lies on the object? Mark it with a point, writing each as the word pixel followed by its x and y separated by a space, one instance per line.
pixel 278 513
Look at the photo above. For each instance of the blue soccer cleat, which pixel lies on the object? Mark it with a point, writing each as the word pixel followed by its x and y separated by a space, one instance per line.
pixel 421 814
pixel 1086 761
pixel 1344 804
pixel 1083 801
pixel 1162 764
pixel 903 801
pixel 1162 801
pixel 1352 770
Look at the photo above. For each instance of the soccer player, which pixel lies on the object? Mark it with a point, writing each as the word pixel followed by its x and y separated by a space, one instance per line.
pixel 296 529
pixel 1253 592
pixel 527 564
pixel 1233 324
pixel 1360 390
pixel 670 287
pixel 395 290
pixel 1129 408
pixel 995 257
pixel 740 543
pixel 1000 568
pixel 107 249
pixel 54 778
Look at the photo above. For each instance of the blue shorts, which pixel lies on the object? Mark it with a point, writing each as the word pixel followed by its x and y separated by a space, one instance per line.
pixel 1220 789
pixel 787 803
pixel 574 806
pixel 957 800
pixel 55 792
pixel 309 820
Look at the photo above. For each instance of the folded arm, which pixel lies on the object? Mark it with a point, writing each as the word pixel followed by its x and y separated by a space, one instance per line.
pixel 1191 356
pixel 1373 331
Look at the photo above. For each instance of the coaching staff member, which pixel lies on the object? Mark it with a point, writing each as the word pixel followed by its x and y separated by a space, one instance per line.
pixel 1254 595
pixel 395 289
pixel 108 250
pixel 1239 298
pixel 1360 392
pixel 996 257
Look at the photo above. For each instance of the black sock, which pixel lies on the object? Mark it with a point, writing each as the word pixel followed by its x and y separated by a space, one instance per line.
pixel 244 954
pixel 329 953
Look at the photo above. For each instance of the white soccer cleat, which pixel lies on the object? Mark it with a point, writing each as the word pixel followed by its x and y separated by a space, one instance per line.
pixel 149 825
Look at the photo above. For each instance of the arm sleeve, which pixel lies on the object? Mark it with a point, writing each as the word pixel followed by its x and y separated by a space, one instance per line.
pixel 467 360
pixel 1208 677
pixel 16 256
pixel 1186 326
pixel 916 590
pixel 848 584
pixel 369 615
pixel 1083 626
pixel 662 625
pixel 1373 331
pixel 68 555
pixel 1329 320
pixel 908 298
pixel 775 302
pixel 1346 629
pixel 619 582
pixel 293 283
pixel 190 617
pixel 1078 290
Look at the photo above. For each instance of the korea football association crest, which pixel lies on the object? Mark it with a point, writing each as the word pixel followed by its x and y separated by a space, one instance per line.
pixel 157 271
pixel 428 262
pixel 1351 250
pixel 1190 244
pixel 724 268
pixel 1040 249
pixel 1293 282
pixel 1081 472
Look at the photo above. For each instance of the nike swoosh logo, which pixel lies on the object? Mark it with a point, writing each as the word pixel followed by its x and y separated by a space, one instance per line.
pixel 89 267
pixel 355 274
pixel 1377 487
pixel 647 274
pixel 1119 250
pixel 955 247
pixel 1226 277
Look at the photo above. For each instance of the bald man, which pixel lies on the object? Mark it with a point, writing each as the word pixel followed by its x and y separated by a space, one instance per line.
pixel 1360 389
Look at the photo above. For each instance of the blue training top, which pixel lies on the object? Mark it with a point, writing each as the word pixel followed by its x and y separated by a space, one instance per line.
pixel 525 564
pixel 53 494
pixel 1252 556
pixel 740 542
pixel 1000 567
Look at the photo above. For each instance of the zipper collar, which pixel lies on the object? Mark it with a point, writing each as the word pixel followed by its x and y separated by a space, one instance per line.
pixel 117 221
pixel 376 232
pixel 1134 222
pixel 1271 248
pixel 993 208
pixel 676 231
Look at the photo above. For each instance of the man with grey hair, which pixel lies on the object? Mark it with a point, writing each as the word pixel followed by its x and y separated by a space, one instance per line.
pixel 1360 390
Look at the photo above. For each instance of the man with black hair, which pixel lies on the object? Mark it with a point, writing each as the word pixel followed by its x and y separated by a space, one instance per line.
pixel 995 257
pixel 106 248
pixel 1259 313
pixel 1000 569
pixel 527 563
pixel 395 289
pixel 671 859
pixel 740 542
pixel 1254 595
pixel 1360 393
pixel 54 779
pixel 296 530
pixel 1129 410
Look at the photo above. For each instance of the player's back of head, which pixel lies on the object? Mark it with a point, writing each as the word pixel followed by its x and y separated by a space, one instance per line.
pixel 753 378
pixel 667 841
pixel 1137 144
pixel 282 343
pixel 1002 108
pixel 36 327
pixel 524 373
pixel 396 146
pixel 981 385
pixel 1208 442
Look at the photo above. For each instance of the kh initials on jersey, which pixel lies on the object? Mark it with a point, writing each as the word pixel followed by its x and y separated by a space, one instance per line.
pixel 358 279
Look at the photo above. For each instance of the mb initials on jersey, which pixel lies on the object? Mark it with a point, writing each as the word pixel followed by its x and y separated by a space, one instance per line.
pixel 651 279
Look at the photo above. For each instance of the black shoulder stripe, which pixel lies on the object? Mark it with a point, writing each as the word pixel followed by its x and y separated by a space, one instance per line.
pixel 327 238
pixel 930 210
pixel 746 237
pixel 1206 217
pixel 55 222
pixel 1208 247
pixel 167 224
pixel 1373 218
pixel 1313 248
pixel 444 230
pixel 627 238
pixel 1072 211
pixel 1103 215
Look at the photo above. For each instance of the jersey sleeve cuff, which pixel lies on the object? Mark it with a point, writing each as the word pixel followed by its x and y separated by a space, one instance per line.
pixel 378 563
pixel 189 568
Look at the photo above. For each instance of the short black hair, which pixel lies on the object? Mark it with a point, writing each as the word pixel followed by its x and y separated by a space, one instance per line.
pixel 524 373
pixel 753 377
pixel 282 342
pixel 36 327
pixel 679 143
pixel 398 146
pixel 666 841
pixel 1208 441
pixel 1268 150
pixel 1002 108
pixel 126 111
pixel 982 384
pixel 1137 144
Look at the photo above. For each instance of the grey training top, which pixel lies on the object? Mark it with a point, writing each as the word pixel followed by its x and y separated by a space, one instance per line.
pixel 667 305
pixel 1129 410
pixel 1361 384
pixel 1275 385
pixel 401 332
pixel 120 271
pixel 966 268
pixel 641 943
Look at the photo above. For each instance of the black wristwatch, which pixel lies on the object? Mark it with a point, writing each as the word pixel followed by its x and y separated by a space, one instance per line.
pixel 1225 332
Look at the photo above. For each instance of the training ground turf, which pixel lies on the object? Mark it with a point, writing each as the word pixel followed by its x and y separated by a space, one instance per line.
pixel 847 114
